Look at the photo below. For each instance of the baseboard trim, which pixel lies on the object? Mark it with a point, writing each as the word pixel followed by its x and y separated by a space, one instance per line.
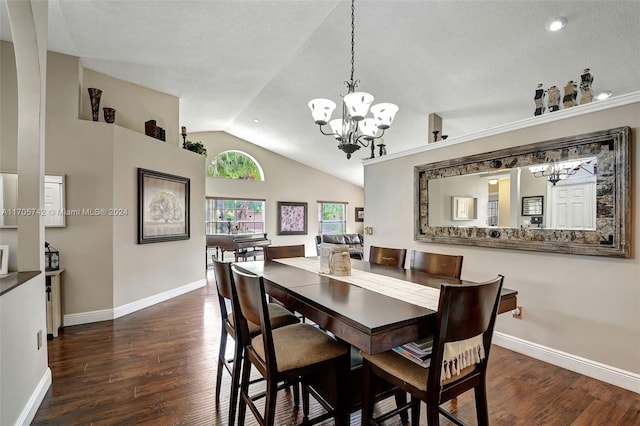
pixel 593 369
pixel 110 314
pixel 31 408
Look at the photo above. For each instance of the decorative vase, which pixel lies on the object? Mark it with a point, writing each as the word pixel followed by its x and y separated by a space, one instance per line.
pixel 435 135
pixel 109 114
pixel 94 96
pixel 586 79
pixel 570 94
pixel 553 101
pixel 538 98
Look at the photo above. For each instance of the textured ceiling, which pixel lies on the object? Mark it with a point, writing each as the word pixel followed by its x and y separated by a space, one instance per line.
pixel 475 63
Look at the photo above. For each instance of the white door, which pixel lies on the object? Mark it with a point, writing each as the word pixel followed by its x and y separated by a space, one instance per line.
pixel 573 206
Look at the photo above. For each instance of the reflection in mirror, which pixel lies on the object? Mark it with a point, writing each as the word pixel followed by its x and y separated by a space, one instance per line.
pixel 54 201
pixel 568 187
pixel 568 195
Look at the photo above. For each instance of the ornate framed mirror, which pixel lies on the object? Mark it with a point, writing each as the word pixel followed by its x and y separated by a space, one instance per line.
pixel 568 195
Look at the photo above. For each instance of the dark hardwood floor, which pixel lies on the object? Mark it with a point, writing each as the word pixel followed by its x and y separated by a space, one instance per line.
pixel 157 366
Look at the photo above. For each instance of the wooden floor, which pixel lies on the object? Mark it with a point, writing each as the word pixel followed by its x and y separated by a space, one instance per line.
pixel 157 366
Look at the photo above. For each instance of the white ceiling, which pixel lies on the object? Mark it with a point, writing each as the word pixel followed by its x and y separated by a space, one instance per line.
pixel 475 63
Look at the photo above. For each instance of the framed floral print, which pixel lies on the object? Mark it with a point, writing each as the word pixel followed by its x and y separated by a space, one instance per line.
pixel 292 218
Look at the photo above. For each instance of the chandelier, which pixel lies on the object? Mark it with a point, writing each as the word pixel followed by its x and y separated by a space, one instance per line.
pixel 354 129
pixel 557 171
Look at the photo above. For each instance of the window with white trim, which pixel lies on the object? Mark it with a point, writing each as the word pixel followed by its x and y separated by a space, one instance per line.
pixel 332 217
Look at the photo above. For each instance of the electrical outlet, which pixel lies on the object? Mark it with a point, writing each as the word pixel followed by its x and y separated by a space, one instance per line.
pixel 517 312
pixel 39 339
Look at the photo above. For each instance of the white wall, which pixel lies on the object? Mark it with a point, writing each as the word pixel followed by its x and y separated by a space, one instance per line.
pixel 285 180
pixel 586 306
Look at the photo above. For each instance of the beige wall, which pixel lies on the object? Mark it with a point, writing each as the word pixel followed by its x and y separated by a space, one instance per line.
pixel 104 266
pixel 142 270
pixel 586 306
pixel 131 113
pixel 285 180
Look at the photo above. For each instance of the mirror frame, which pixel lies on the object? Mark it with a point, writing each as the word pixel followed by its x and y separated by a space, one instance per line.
pixel 611 237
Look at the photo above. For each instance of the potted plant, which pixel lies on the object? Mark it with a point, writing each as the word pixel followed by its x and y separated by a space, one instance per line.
pixel 196 147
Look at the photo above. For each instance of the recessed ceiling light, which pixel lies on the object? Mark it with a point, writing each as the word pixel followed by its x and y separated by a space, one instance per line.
pixel 493 181
pixel 255 120
pixel 557 24
pixel 604 95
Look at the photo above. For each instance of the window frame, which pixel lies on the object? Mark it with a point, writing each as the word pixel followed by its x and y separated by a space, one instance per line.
pixel 342 224
pixel 215 226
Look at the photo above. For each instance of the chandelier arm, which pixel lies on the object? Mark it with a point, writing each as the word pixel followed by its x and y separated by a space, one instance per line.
pixel 367 139
pixel 326 134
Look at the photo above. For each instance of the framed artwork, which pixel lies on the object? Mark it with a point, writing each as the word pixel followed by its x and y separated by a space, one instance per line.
pixel 532 206
pixel 359 214
pixel 163 207
pixel 292 218
pixel 463 208
pixel 4 260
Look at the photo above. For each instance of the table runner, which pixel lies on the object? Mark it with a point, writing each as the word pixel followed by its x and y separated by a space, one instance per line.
pixel 420 295
pixel 457 355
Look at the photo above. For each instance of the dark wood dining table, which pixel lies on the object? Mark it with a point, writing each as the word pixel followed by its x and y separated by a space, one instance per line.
pixel 368 320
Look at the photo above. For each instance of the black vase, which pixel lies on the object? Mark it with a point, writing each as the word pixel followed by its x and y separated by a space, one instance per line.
pixel 109 114
pixel 94 96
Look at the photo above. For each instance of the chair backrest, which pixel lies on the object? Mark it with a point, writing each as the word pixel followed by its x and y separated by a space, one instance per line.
pixel 445 265
pixel 387 256
pixel 252 307
pixel 222 273
pixel 464 312
pixel 281 252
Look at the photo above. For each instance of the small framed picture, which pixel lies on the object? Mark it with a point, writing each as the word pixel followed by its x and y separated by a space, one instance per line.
pixel 359 214
pixel 292 218
pixel 4 260
pixel 163 207
pixel 463 208
pixel 532 206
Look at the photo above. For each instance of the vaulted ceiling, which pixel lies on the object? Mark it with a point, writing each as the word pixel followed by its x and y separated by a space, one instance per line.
pixel 249 68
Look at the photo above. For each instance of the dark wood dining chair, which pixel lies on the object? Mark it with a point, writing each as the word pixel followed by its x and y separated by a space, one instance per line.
pixel 279 317
pixel 445 265
pixel 284 354
pixel 466 313
pixel 281 252
pixel 387 256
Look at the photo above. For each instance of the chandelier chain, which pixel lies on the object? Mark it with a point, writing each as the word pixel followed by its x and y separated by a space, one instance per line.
pixel 353 35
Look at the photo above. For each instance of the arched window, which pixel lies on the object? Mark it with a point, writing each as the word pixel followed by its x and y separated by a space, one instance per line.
pixel 235 165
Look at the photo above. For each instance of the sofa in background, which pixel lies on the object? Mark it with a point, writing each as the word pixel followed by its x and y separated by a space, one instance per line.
pixel 354 241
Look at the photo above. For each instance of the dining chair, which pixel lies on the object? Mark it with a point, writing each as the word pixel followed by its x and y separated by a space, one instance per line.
pixel 278 315
pixel 387 256
pixel 281 252
pixel 461 345
pixel 445 265
pixel 284 355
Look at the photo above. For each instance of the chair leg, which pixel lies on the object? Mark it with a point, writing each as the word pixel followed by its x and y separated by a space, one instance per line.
pixel 401 399
pixel 305 398
pixel 221 361
pixel 296 393
pixel 235 382
pixel 368 393
pixel 433 414
pixel 244 390
pixel 415 411
pixel 482 410
pixel 270 402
